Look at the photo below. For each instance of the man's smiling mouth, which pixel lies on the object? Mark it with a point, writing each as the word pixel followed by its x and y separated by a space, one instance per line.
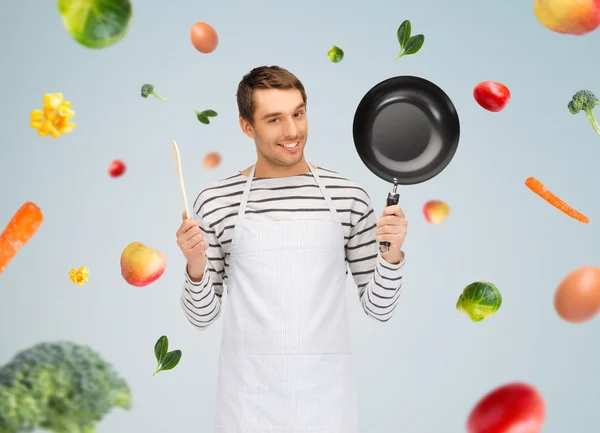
pixel 291 145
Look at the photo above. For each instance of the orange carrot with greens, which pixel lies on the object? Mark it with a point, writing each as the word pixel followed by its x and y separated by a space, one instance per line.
pixel 537 187
pixel 21 228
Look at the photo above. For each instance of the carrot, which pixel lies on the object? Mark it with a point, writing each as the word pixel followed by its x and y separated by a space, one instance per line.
pixel 21 228
pixel 537 187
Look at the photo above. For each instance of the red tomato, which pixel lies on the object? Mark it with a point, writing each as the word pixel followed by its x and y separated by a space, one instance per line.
pixel 491 95
pixel 117 168
pixel 512 408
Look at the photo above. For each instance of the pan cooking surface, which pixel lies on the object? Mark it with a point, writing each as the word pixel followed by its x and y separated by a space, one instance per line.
pixel 406 128
pixel 401 132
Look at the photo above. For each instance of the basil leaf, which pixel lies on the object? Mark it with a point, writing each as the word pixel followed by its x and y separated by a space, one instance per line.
pixel 171 360
pixel 202 118
pixel 414 44
pixel 209 113
pixel 161 348
pixel 403 33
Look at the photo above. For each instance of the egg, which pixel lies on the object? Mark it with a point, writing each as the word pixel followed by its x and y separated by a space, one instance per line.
pixel 577 297
pixel 204 37
pixel 212 160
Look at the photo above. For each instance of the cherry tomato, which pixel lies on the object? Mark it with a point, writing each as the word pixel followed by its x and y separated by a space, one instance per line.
pixel 491 95
pixel 512 408
pixel 116 168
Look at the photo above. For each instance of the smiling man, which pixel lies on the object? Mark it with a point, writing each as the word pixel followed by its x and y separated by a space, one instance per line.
pixel 278 238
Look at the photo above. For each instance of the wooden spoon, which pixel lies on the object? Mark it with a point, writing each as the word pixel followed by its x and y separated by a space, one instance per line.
pixel 177 161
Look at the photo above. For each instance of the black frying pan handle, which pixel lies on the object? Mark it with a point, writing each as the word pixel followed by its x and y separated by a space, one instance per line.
pixel 392 199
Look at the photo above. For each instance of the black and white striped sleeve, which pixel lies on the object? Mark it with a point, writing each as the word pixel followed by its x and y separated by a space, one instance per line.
pixel 201 301
pixel 379 282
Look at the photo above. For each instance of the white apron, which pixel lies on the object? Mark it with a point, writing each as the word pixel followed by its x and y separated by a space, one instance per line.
pixel 286 361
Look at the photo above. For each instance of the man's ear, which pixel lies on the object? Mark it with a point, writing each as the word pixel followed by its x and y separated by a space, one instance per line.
pixel 246 127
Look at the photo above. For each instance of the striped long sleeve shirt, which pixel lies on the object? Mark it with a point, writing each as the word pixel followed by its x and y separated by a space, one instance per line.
pixel 379 283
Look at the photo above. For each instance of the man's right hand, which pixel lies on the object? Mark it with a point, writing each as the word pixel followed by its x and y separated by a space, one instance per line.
pixel 193 246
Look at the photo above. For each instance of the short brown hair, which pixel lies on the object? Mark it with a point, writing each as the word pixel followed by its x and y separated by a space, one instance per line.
pixel 264 77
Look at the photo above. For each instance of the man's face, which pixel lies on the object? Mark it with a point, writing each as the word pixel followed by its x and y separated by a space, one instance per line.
pixel 280 126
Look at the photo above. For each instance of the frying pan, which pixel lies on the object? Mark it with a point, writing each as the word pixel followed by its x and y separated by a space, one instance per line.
pixel 406 131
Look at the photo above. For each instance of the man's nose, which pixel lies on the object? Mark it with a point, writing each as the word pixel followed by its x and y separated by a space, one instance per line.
pixel 290 129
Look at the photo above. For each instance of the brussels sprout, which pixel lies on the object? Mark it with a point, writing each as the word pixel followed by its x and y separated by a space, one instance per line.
pixel 335 54
pixel 96 23
pixel 479 300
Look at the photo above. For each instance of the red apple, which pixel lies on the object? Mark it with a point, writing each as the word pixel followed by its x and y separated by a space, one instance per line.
pixel 141 265
pixel 116 168
pixel 436 211
pixel 568 17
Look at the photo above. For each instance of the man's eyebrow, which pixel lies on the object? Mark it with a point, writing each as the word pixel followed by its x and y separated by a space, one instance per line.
pixel 301 105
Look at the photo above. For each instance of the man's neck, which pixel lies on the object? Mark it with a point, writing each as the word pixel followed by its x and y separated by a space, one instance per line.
pixel 265 170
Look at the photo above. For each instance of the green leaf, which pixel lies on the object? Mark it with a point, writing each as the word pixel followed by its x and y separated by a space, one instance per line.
pixel 403 33
pixel 209 113
pixel 171 360
pixel 414 44
pixel 202 118
pixel 161 348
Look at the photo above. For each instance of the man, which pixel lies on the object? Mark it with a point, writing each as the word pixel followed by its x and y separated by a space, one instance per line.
pixel 278 238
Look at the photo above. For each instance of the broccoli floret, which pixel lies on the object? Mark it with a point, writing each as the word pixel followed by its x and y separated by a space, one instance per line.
pixel 148 89
pixel 585 101
pixel 60 387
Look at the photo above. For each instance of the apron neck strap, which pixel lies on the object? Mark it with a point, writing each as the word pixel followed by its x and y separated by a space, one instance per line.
pixel 244 199
pixel 325 194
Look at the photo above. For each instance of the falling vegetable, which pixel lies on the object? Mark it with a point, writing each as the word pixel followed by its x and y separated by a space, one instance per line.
pixel 166 360
pixel 479 300
pixel 203 116
pixel 537 187
pixel 96 23
pixel 335 54
pixel 79 276
pixel 21 228
pixel 491 95
pixel 511 408
pixel 148 89
pixel 53 118
pixel 585 100
pixel 59 387
pixel 408 44
pixel 117 168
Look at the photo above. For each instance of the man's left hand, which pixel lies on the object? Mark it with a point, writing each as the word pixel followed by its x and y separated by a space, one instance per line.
pixel 391 227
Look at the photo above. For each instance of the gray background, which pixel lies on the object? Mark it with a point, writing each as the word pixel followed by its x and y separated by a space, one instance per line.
pixel 419 373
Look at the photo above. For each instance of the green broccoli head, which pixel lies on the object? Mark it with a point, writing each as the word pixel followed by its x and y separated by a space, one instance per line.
pixel 61 387
pixel 585 100
pixel 19 409
pixel 148 89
